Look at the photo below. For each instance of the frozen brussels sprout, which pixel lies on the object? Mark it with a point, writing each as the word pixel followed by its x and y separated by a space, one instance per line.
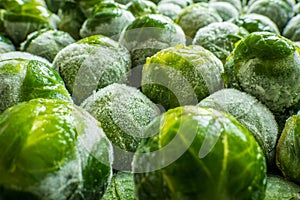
pixel 22 80
pixel 280 188
pixel 236 3
pixel 19 23
pixel 219 38
pixel 226 10
pixel 292 29
pixel 199 153
pixel 181 75
pixel 23 55
pixel 71 18
pixel 107 18
pixel 267 66
pixel 142 7
pixel 123 112
pixel 253 22
pixel 197 16
pixel 121 187
pixel 148 34
pixel 255 116
pixel 52 150
pixel 170 10
pixel 90 64
pixel 288 149
pixel 6 45
pixel 278 10
pixel 46 43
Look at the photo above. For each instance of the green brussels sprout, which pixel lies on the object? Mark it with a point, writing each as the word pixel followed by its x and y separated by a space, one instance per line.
pixel 199 153
pixel 253 22
pixel 278 10
pixel 181 75
pixel 170 10
pixel 288 149
pixel 6 45
pixel 267 66
pixel 121 187
pixel 123 112
pixel 280 188
pixel 226 10
pixel 142 7
pixel 219 38
pixel 255 116
pixel 292 29
pixel 72 18
pixel 236 3
pixel 181 3
pixel 46 43
pixel 90 64
pixel 148 34
pixel 23 55
pixel 23 80
pixel 52 150
pixel 197 16
pixel 19 23
pixel 107 18
pixel 53 5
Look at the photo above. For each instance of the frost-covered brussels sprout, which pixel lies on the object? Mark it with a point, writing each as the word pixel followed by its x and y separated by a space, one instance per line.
pixel 148 34
pixel 170 10
pixel 278 10
pixel 266 66
pixel 280 188
pixel 90 64
pixel 123 112
pixel 71 18
pixel 46 43
pixel 288 149
pixel 292 29
pixel 120 187
pixel 253 22
pixel 22 80
pixel 6 45
pixel 198 153
pixel 255 116
pixel 181 75
pixel 226 10
pixel 197 16
pixel 219 38
pixel 142 7
pixel 236 3
pixel 107 18
pixel 52 150
pixel 19 23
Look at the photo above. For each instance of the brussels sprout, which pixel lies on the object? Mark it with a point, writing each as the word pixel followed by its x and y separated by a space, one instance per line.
pixel 280 188
pixel 52 150
pixel 23 55
pixel 107 18
pixel 266 66
pixel 170 10
pixel 123 112
pixel 198 153
pixel 219 38
pixel 6 45
pixel 90 64
pixel 22 80
pixel 255 116
pixel 142 7
pixel 253 22
pixel 148 34
pixel 181 75
pixel 197 16
pixel 288 149
pixel 121 187
pixel 181 3
pixel 72 19
pixel 278 10
pixel 46 43
pixel 226 10
pixel 292 29
pixel 19 23
pixel 236 3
